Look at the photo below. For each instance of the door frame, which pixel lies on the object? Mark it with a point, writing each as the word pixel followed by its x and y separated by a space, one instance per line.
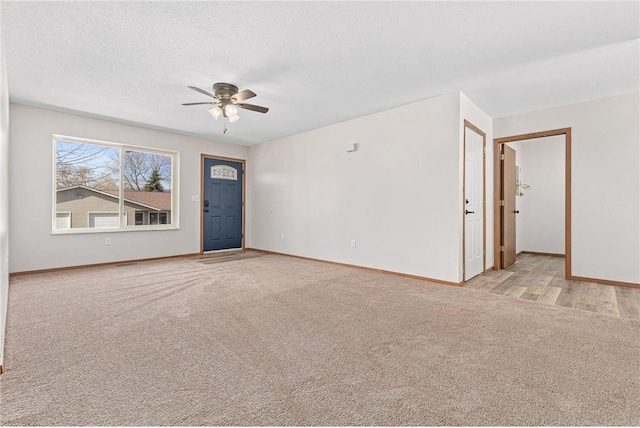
pixel 471 126
pixel 497 187
pixel 244 188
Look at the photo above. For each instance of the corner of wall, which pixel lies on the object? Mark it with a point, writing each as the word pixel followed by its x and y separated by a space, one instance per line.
pixel 4 193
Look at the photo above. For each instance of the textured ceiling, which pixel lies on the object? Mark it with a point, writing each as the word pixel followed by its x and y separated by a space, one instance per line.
pixel 314 63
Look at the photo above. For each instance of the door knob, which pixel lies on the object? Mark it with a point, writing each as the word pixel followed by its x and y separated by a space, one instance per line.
pixel 468 212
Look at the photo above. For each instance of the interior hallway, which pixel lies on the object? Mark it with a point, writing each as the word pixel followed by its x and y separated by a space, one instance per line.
pixel 541 279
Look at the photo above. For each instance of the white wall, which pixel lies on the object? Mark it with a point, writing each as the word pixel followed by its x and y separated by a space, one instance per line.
pixel 399 196
pixel 472 113
pixel 32 245
pixel 605 176
pixel 540 223
pixel 4 191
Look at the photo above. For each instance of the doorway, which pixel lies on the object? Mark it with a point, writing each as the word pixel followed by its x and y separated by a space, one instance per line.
pixel 222 204
pixel 474 211
pixel 506 181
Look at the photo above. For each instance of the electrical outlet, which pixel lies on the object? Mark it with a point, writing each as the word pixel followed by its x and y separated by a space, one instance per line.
pixel 353 243
pixel 282 235
pixel 107 241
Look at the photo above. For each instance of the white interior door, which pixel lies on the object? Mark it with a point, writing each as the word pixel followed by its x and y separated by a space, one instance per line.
pixel 474 212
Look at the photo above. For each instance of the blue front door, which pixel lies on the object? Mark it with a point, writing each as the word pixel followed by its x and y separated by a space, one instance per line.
pixel 222 205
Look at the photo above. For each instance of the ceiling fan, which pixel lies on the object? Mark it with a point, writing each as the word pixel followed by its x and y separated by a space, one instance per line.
pixel 226 101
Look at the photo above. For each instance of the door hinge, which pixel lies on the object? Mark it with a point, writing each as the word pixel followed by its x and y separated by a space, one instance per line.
pixel 502 248
pixel 502 202
pixel 501 157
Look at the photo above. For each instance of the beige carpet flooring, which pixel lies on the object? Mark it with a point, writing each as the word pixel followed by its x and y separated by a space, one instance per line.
pixel 274 340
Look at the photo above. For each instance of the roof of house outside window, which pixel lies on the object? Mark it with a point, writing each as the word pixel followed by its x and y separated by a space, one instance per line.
pixel 160 201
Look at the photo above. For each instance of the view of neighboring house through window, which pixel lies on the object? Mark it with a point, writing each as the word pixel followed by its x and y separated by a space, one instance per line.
pixel 109 186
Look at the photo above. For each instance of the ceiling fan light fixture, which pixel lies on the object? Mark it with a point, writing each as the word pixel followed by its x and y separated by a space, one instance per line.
pixel 215 112
pixel 227 100
pixel 230 110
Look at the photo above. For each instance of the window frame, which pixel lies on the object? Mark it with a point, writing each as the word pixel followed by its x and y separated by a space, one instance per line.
pixel 175 207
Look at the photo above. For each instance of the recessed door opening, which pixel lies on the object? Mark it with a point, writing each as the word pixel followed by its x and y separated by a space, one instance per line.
pixel 222 204
pixel 533 197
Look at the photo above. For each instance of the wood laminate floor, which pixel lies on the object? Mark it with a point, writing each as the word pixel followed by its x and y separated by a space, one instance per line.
pixel 541 279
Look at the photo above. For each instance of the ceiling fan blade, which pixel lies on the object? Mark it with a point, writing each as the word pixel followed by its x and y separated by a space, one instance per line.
pixel 202 91
pixel 252 107
pixel 243 95
pixel 195 104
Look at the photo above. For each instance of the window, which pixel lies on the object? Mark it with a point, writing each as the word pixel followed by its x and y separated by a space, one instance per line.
pixel 139 218
pixel 159 218
pixel 164 218
pixel 100 185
